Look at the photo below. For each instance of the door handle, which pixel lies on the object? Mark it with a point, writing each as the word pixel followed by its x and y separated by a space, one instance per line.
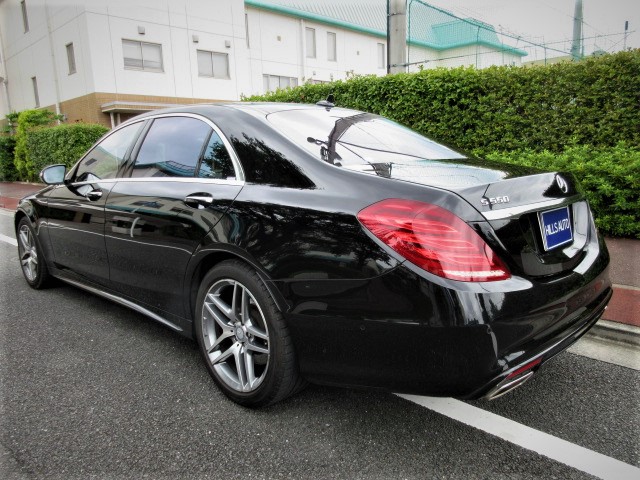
pixel 94 194
pixel 198 200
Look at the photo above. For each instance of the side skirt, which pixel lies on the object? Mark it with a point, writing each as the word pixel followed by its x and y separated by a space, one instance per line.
pixel 124 302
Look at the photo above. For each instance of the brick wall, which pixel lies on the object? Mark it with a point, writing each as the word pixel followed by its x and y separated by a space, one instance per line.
pixel 88 107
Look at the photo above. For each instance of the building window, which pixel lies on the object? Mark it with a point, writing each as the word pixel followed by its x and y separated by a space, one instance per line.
pixel 311 42
pixel 331 46
pixel 34 82
pixel 25 19
pixel 274 82
pixel 71 58
pixel 382 56
pixel 213 64
pixel 142 55
pixel 246 28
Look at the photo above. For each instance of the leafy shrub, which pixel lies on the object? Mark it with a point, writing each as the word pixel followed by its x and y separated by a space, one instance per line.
pixel 610 177
pixel 62 144
pixel 593 102
pixel 27 120
pixel 8 171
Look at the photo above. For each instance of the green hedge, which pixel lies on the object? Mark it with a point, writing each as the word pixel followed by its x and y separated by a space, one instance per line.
pixel 610 177
pixel 62 144
pixel 593 102
pixel 27 120
pixel 8 172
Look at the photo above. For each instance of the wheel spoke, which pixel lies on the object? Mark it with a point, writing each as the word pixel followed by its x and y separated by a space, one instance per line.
pixel 256 332
pixel 234 301
pixel 232 350
pixel 239 354
pixel 257 348
pixel 225 334
pixel 24 238
pixel 248 364
pixel 244 313
pixel 225 323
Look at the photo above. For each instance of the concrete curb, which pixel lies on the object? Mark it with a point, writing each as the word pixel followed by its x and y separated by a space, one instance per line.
pixel 617 332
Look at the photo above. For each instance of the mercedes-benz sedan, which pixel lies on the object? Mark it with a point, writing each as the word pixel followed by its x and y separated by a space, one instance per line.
pixel 314 243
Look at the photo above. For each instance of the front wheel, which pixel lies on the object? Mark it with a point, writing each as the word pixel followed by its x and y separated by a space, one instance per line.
pixel 32 260
pixel 243 338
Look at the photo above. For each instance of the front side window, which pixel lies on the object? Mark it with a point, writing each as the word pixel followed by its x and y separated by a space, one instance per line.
pixel 311 42
pixel 106 158
pixel 213 64
pixel 171 148
pixel 71 58
pixel 142 56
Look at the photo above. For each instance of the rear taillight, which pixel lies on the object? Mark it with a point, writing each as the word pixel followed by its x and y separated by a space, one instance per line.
pixel 434 239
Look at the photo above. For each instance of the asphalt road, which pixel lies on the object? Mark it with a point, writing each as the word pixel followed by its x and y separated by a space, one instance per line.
pixel 93 390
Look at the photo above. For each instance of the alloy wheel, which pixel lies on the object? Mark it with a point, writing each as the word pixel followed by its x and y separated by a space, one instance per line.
pixel 236 336
pixel 28 253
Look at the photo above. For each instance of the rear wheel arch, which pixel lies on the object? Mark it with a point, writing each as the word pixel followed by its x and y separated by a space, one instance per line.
pixel 209 262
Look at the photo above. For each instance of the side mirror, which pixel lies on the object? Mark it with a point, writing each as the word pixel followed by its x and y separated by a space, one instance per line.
pixel 53 174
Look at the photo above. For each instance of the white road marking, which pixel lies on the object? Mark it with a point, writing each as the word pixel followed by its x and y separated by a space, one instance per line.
pixel 616 353
pixel 570 454
pixel 9 240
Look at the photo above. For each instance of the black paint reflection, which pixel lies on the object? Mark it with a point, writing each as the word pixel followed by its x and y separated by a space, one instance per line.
pixel 263 164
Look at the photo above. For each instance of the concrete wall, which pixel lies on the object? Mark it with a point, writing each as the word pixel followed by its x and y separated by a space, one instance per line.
pixel 278 47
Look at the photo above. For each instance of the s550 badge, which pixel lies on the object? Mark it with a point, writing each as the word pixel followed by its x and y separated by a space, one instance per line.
pixel 494 200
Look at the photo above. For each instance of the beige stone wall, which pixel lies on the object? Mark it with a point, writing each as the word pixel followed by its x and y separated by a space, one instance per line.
pixel 88 107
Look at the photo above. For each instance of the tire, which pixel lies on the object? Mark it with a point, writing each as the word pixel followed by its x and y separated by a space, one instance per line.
pixel 243 338
pixel 32 261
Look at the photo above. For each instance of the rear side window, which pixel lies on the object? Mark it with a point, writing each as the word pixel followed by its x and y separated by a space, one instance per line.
pixel 171 148
pixel 106 158
pixel 216 162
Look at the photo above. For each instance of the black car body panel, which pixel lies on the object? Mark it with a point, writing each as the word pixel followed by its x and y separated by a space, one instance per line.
pixel 359 313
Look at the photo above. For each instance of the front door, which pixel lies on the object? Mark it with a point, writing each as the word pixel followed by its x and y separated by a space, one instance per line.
pixel 76 217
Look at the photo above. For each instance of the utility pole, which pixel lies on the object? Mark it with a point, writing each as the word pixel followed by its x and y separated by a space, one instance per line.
pixel 396 36
pixel 576 44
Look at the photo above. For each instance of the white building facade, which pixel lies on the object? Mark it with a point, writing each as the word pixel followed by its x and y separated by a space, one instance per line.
pixel 103 61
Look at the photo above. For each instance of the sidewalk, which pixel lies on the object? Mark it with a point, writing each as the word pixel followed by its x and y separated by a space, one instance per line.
pixel 623 313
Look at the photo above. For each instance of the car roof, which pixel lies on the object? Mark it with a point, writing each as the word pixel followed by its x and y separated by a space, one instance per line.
pixel 257 109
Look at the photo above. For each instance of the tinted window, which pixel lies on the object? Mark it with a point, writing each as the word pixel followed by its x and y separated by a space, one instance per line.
pixel 171 148
pixel 106 158
pixel 216 162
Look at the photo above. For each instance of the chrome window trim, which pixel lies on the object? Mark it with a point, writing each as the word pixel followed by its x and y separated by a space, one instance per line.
pixel 237 166
pixel 504 213
pixel 208 181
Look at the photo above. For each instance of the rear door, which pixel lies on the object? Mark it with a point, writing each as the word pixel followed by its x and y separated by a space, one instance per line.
pixel 183 178
pixel 76 209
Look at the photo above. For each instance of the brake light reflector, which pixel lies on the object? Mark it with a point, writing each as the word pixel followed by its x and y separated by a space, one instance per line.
pixel 434 239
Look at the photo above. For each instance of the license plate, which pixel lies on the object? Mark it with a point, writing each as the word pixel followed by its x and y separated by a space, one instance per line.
pixel 556 227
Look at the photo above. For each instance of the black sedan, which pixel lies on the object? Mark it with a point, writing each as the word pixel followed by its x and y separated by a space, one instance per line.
pixel 313 243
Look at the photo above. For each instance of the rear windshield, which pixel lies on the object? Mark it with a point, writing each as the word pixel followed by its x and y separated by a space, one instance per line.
pixel 359 139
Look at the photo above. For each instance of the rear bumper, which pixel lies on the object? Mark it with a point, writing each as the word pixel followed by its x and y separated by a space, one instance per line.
pixel 409 332
pixel 523 371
